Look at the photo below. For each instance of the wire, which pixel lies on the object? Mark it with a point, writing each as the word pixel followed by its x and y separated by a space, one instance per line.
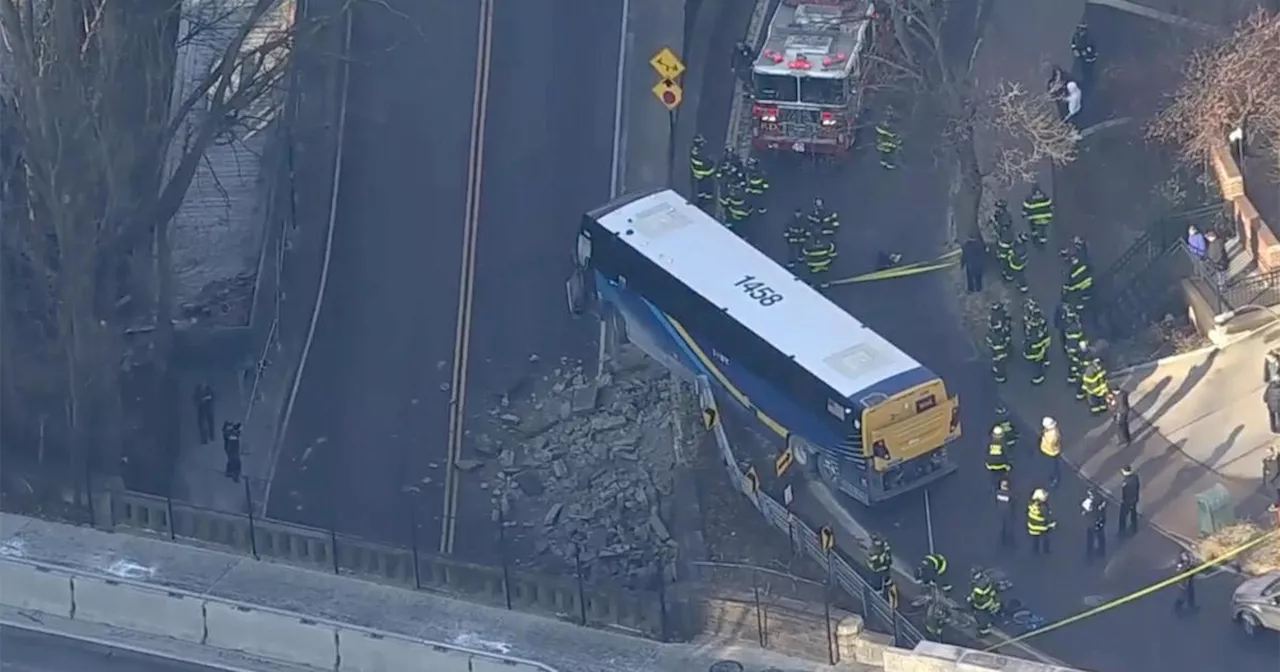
pixel 945 261
pixel 1139 593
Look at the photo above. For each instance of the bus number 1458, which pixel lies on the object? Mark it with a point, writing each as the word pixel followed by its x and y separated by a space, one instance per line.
pixel 758 291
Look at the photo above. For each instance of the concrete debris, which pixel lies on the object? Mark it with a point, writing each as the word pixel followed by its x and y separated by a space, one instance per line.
pixel 467 465
pixel 581 474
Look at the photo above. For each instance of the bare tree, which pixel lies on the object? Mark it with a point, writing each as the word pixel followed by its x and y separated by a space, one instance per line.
pixel 101 149
pixel 1232 83
pixel 917 59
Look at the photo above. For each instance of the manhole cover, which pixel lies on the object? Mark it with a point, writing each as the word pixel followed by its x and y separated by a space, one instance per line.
pixel 1095 600
pixel 726 666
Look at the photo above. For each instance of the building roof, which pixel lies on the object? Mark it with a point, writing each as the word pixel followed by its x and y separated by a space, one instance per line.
pixel 827 37
pixel 817 334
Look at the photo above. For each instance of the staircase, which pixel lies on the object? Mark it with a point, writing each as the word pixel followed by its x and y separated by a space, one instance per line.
pixel 1137 288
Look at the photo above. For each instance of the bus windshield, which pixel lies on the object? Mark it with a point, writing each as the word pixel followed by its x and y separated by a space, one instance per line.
pixel 777 88
pixel 800 364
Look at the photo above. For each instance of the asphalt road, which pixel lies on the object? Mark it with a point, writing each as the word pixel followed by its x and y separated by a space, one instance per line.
pixel 905 211
pixel 29 651
pixel 372 414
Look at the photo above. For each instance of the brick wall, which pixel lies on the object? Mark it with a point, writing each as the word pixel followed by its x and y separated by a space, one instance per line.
pixel 1258 238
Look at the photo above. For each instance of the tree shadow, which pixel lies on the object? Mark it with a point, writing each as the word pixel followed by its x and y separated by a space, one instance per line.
pixel 1193 378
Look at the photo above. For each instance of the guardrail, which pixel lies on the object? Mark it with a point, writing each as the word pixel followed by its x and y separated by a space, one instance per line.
pixel 840 573
pixel 230 625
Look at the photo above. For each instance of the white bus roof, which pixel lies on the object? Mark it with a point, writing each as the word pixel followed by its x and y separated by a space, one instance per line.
pixel 815 33
pixel 817 334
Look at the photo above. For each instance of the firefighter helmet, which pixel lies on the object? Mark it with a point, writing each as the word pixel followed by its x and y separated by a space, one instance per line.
pixel 699 141
pixel 1040 495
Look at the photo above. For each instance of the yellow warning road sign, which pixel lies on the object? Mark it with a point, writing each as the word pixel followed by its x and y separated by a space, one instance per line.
pixel 667 64
pixel 783 461
pixel 669 94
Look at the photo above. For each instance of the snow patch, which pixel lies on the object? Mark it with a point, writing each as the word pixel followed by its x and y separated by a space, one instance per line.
pixel 477 643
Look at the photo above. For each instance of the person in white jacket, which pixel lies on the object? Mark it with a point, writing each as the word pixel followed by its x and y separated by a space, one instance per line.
pixel 1073 104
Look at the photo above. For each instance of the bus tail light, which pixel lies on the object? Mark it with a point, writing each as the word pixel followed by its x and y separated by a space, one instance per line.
pixel 768 115
pixel 828 119
pixel 955 418
pixel 880 450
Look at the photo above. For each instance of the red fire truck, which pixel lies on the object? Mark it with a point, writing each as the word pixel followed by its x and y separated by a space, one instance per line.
pixel 807 79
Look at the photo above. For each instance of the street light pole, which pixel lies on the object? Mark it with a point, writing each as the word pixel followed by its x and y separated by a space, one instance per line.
pixel 928 520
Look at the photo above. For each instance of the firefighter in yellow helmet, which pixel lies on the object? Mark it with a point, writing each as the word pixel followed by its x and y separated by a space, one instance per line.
pixel 1040 522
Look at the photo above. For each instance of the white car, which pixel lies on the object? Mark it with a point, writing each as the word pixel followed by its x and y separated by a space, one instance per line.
pixel 1256 604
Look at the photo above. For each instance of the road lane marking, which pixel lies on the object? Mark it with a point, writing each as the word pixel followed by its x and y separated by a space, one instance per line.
pixel 466 284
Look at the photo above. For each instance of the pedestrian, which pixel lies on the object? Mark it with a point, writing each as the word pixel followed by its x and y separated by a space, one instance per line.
pixel 1086 56
pixel 231 446
pixel 1271 397
pixel 1215 253
pixel 1270 467
pixel 1270 367
pixel 1057 89
pixel 1040 522
pixel 1051 448
pixel 1130 491
pixel 1006 509
pixel 1094 509
pixel 1074 101
pixel 1196 243
pixel 1120 415
pixel 973 257
pixel 204 401
pixel 1187 594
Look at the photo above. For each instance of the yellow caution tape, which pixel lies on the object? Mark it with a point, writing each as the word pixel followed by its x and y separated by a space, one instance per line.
pixel 1139 593
pixel 945 261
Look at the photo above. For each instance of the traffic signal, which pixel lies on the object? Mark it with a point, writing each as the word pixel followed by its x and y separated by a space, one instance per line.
pixel 826 538
pixel 753 480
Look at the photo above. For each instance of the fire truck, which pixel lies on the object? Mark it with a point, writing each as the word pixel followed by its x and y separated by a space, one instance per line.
pixel 807 80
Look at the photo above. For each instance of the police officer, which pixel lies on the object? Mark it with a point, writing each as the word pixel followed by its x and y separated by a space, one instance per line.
pixel 231 446
pixel 1017 262
pixel 932 572
pixel 703 171
pixel 819 253
pixel 822 220
pixel 757 186
pixel 1051 449
pixel 1094 381
pixel 999 340
pixel 1005 507
pixel 1035 349
pixel 1006 423
pixel 1040 522
pixel 1037 209
pixel 973 259
pixel 887 140
pixel 1078 285
pixel 984 601
pixel 1130 492
pixel 796 233
pixel 1187 587
pixel 997 461
pixel 1085 54
pixel 880 561
pixel 1094 509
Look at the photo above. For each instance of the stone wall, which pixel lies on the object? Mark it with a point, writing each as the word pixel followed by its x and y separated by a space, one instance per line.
pixel 1258 237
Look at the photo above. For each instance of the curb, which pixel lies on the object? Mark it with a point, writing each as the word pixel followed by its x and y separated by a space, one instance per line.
pixel 1226 342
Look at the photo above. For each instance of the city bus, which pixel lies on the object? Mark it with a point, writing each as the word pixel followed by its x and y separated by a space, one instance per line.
pixel 862 414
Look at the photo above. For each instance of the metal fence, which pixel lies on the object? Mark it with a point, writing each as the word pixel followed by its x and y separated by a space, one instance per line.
pixel 1260 288
pixel 841 574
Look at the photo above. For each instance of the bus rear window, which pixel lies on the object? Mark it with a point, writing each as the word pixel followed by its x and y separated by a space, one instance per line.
pixel 925 403
pixel 777 88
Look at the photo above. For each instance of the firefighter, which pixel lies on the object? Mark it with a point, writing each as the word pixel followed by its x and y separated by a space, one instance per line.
pixel 1037 209
pixel 1001 220
pixel 1067 320
pixel 1080 248
pixel 757 186
pixel 1005 238
pixel 1078 285
pixel 1006 509
pixel 1003 420
pixel 932 572
pixel 703 171
pixel 743 58
pixel 1094 381
pixel 737 211
pixel 1075 366
pixel 984 601
pixel 819 253
pixel 728 174
pixel 935 619
pixel 1017 262
pixel 796 233
pixel 1040 522
pixel 1035 349
pixel 822 220
pixel 888 142
pixel 999 340
pixel 1032 315
pixel 1085 54
pixel 997 461
pixel 880 561
pixel 998 317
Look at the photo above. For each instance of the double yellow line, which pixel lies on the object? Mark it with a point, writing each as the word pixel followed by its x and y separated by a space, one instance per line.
pixel 466 282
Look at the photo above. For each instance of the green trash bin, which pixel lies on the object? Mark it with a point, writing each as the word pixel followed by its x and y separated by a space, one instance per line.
pixel 1215 509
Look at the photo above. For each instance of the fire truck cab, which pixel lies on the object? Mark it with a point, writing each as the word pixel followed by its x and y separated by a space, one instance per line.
pixel 807 78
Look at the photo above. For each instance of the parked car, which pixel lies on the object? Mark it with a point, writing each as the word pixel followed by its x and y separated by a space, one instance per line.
pixel 1256 604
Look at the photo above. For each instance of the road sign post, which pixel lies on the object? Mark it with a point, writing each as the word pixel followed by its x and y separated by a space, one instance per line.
pixel 669 92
